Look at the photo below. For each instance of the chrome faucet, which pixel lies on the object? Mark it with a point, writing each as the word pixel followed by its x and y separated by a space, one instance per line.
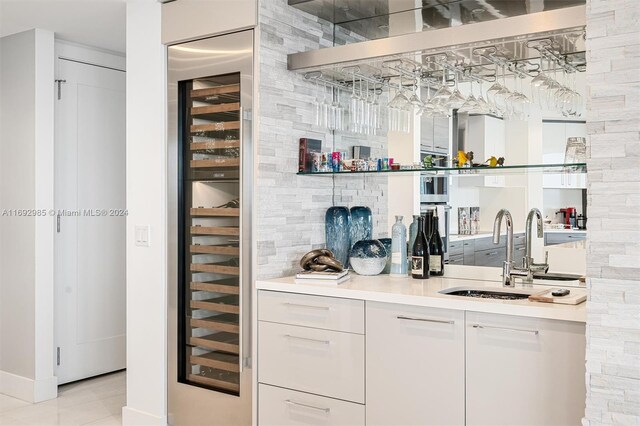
pixel 528 262
pixel 508 268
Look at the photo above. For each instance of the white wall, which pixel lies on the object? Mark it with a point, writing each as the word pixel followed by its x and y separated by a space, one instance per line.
pixel 26 243
pixel 147 204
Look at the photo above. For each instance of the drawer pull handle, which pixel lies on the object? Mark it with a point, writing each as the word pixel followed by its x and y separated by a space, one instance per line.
pixel 313 407
pixel 536 332
pixel 324 342
pixel 493 253
pixel 298 305
pixel 402 317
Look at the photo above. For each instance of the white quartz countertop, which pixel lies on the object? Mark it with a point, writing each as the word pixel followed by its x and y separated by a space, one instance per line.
pixel 408 291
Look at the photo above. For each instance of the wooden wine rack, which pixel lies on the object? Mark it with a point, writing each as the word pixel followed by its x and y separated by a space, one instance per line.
pixel 216 383
pixel 215 212
pixel 228 286
pixel 212 308
pixel 215 230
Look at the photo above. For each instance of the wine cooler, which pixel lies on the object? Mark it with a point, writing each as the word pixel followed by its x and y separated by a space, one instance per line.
pixel 211 174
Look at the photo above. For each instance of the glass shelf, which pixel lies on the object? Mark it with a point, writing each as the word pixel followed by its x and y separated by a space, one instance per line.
pixel 520 169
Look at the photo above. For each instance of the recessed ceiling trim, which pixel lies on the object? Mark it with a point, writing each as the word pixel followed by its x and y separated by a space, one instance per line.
pixel 443 39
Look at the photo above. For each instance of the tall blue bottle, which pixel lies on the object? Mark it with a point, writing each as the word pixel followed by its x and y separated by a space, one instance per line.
pixel 398 249
pixel 361 224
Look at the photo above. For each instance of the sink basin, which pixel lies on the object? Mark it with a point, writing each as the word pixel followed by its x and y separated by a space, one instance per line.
pixel 557 276
pixel 486 293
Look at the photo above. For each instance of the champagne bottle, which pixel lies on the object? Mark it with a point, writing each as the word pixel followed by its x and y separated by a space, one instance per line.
pixel 436 251
pixel 420 254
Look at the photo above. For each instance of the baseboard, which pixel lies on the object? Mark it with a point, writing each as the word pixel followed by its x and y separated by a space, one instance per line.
pixel 133 417
pixel 28 389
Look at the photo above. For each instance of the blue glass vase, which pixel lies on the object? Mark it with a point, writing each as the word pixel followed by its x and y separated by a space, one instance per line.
pixel 398 249
pixel 337 223
pixel 361 224
pixel 386 242
pixel 368 257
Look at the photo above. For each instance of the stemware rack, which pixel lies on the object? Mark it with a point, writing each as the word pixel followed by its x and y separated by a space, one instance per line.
pixel 520 57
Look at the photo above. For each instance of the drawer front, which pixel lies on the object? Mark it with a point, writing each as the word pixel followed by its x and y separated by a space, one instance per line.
pixel 285 407
pixel 486 243
pixel 469 247
pixel 328 313
pixel 456 260
pixel 518 254
pixel 557 238
pixel 519 240
pixel 491 257
pixel 456 247
pixel 327 363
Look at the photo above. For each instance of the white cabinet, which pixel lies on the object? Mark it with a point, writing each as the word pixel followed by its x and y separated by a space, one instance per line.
pixel 285 407
pixel 486 138
pixel 434 135
pixel 524 371
pixel 415 365
pixel 311 360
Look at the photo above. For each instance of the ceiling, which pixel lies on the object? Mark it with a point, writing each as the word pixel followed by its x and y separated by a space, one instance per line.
pixel 97 23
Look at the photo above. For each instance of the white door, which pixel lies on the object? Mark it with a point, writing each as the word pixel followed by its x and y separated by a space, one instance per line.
pixel 90 236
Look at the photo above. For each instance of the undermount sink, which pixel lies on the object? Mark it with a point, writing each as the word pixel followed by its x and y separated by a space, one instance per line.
pixel 486 293
pixel 557 276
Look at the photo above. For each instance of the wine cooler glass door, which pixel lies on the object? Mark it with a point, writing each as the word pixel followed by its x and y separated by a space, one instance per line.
pixel 210 161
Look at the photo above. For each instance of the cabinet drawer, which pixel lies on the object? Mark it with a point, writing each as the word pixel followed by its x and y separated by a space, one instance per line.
pixel 519 240
pixel 456 260
pixel 486 243
pixel 285 407
pixel 328 363
pixel 492 257
pixel 469 247
pixel 328 313
pixel 456 248
pixel 552 238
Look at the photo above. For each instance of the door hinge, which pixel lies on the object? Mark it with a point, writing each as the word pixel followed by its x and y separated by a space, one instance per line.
pixel 58 356
pixel 59 82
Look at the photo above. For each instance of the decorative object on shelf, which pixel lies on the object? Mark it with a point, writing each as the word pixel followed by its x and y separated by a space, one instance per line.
pixel 368 257
pixel 576 150
pixel 399 249
pixel 464 225
pixel 337 224
pixel 233 204
pixel 465 159
pixel 474 218
pixel 320 260
pixel 308 148
pixel 427 162
pixel 361 227
pixel 387 242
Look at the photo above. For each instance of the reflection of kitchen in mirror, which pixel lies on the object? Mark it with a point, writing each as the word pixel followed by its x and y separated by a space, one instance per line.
pixel 546 137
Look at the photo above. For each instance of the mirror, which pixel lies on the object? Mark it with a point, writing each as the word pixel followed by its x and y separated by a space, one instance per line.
pixel 472 201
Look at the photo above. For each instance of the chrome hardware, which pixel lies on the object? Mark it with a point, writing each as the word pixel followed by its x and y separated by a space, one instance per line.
pixel 297 305
pixel 324 342
pixel 527 262
pixel 313 407
pixel 536 332
pixel 402 317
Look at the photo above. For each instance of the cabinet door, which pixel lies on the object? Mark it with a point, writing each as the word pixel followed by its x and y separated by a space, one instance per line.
pixel 415 365
pixel 492 257
pixel 524 371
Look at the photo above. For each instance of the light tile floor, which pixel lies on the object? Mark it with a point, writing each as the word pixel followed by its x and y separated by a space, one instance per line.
pixel 95 402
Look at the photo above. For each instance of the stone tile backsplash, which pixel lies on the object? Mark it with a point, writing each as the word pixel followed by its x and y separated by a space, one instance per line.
pixel 291 208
